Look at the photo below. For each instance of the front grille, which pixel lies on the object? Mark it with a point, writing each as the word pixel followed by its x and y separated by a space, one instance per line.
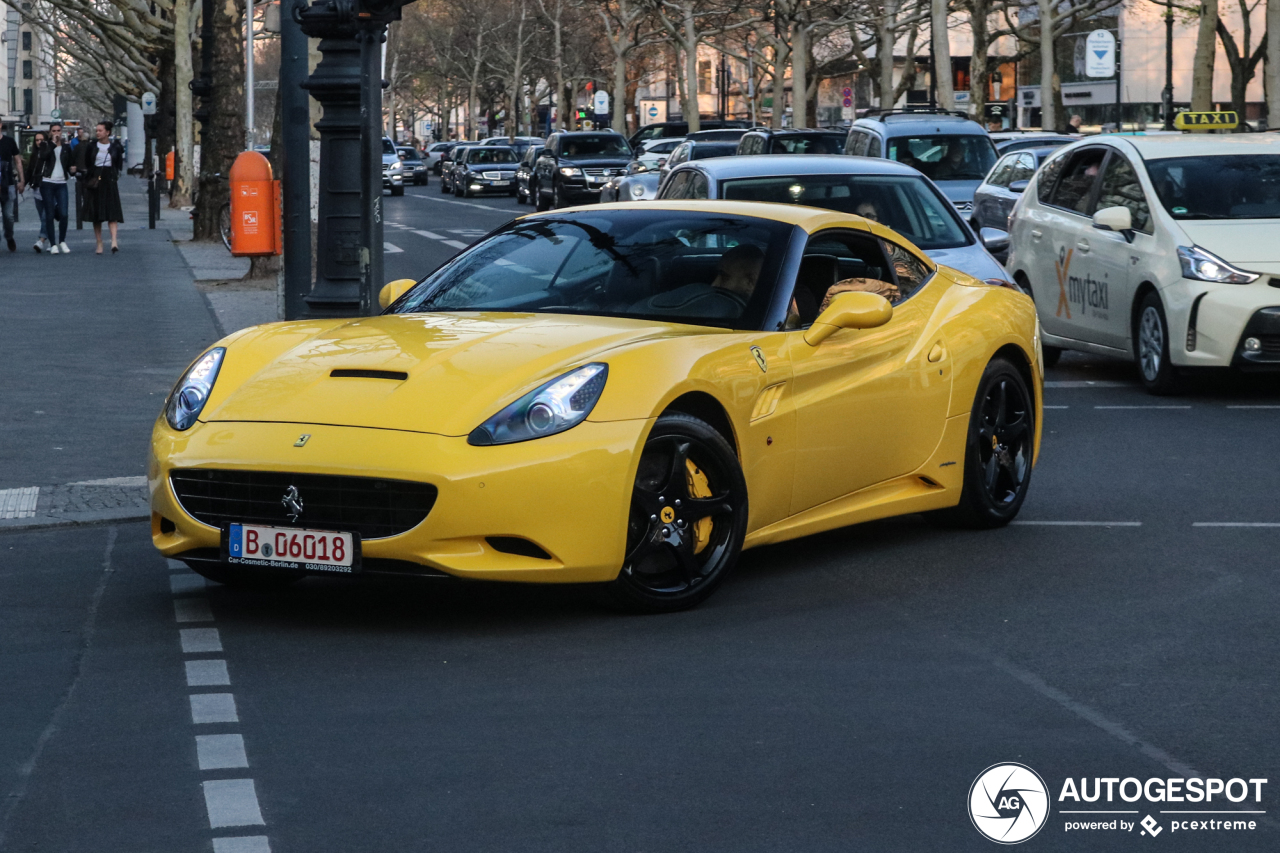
pixel 603 173
pixel 371 507
pixel 1270 344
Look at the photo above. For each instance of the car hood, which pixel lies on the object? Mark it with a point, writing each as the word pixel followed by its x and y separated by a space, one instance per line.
pixel 971 260
pixel 958 190
pixel 1237 241
pixel 593 162
pixel 459 368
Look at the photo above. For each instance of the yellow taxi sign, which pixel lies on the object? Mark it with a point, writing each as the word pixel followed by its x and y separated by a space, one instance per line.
pixel 1226 120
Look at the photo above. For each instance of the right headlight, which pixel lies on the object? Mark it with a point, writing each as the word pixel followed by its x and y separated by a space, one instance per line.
pixel 1206 266
pixel 637 190
pixel 560 404
pixel 188 397
pixel 570 171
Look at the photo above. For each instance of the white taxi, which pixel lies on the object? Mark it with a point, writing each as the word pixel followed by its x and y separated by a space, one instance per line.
pixel 1164 249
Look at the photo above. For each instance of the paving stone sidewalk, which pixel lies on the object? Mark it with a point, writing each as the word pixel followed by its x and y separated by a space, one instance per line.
pixel 115 499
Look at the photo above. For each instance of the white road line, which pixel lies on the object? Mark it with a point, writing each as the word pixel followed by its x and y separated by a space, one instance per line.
pixel 430 235
pixel 1087 383
pixel 177 565
pixel 454 243
pixel 192 610
pixel 19 503
pixel 463 203
pixel 113 481
pixel 207 673
pixel 1253 407
pixel 220 752
pixel 1055 407
pixel 232 802
pixel 196 641
pixel 396 225
pixel 213 708
pixel 186 582
pixel 1142 407
pixel 1236 524
pixel 391 248
pixel 1081 523
pixel 242 844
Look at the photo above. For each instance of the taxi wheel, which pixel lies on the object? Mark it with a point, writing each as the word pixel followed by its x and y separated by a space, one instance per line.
pixel 998 452
pixel 1151 350
pixel 238 577
pixel 687 521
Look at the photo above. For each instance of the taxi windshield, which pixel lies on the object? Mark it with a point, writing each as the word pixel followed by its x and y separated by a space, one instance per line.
pixel 706 269
pixel 1218 186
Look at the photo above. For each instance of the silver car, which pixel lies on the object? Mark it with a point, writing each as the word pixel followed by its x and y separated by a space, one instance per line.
pixel 882 190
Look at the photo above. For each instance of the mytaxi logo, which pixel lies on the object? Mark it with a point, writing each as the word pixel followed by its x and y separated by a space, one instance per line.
pixel 1061 266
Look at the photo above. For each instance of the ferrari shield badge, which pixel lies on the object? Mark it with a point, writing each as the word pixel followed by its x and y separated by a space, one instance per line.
pixel 759 354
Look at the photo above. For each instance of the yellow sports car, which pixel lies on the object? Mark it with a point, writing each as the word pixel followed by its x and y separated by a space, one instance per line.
pixel 625 395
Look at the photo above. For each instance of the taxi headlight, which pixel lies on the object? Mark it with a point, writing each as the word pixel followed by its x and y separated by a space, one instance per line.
pixel 558 405
pixel 1206 266
pixel 188 397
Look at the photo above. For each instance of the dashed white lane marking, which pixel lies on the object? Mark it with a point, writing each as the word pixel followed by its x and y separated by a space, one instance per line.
pixel 464 203
pixel 242 844
pixel 1236 524
pixel 1081 523
pixel 1253 407
pixel 1055 407
pixel 232 802
pixel 431 235
pixel 113 481
pixel 196 641
pixel 391 248
pixel 213 708
pixel 19 503
pixel 1142 407
pixel 207 673
pixel 183 582
pixel 192 610
pixel 1086 383
pixel 455 244
pixel 221 752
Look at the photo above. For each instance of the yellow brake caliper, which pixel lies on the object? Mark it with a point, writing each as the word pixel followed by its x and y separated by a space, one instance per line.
pixel 699 487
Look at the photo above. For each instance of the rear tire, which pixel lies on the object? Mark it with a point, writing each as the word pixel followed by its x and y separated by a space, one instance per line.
pixel 1151 349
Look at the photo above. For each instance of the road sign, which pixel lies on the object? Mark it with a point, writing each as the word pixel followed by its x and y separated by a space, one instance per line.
pixel 148 103
pixel 601 103
pixel 1100 54
pixel 1227 120
pixel 848 102
pixel 55 114
pixel 847 93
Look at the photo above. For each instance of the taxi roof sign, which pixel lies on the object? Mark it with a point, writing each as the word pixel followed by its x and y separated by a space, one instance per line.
pixel 1226 120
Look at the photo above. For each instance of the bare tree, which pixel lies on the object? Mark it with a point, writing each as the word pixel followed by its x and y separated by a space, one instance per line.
pixel 1242 58
pixel 628 27
pixel 1206 52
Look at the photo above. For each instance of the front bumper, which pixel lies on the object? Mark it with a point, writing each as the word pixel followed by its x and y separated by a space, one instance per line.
pixel 569 494
pixel 1264 326
pixel 487 185
pixel 1207 322
pixel 392 179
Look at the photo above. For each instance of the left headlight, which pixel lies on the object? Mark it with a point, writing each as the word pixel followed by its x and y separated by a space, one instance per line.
pixel 560 404
pixel 397 166
pixel 637 190
pixel 188 397
pixel 570 171
pixel 1206 266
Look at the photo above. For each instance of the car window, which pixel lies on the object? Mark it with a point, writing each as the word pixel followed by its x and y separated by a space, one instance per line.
pixel 676 186
pixel 999 176
pixel 697 186
pixel 388 147
pixel 945 158
pixel 1075 188
pixel 488 155
pixel 679 155
pixel 1023 168
pixel 811 143
pixel 834 262
pixel 873 145
pixel 1121 188
pixel 857 143
pixel 1218 186
pixel 703 150
pixel 1048 176
pixel 595 145
pixel 909 270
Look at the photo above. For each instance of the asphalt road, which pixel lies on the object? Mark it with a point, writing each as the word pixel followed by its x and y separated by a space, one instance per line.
pixel 839 693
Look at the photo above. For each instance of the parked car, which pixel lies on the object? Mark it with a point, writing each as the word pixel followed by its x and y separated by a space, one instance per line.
pixel 894 195
pixel 792 140
pixel 1020 140
pixel 1161 249
pixel 484 169
pixel 679 129
pixel 393 173
pixel 524 174
pixel 951 149
pixel 415 168
pixel 575 165
pixel 995 197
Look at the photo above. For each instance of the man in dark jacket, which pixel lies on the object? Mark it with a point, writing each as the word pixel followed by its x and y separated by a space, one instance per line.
pixel 11 185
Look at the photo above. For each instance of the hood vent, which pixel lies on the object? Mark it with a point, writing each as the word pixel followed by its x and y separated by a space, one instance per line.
pixel 398 375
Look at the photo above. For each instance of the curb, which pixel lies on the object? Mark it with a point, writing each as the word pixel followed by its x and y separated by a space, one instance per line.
pixel 79 519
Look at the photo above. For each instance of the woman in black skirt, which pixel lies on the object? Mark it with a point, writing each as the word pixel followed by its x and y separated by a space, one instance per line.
pixel 103 159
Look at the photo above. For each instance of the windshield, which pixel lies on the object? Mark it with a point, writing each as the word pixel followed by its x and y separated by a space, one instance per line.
pixel 674 266
pixel 1220 186
pixel 907 205
pixel 604 145
pixel 388 147
pixel 490 155
pixel 945 158
pixel 809 143
pixel 703 150
pixel 410 154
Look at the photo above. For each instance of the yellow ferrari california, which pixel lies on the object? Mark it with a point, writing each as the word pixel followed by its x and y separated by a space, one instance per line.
pixel 624 395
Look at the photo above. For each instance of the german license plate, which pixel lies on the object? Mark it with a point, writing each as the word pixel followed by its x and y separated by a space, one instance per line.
pixel 500 183
pixel 291 548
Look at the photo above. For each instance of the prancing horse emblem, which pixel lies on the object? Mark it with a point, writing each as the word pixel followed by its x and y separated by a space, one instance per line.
pixel 759 354
pixel 292 503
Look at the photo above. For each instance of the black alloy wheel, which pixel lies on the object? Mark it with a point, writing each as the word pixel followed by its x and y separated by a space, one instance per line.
pixel 1151 349
pixel 520 197
pixel 998 452
pixel 687 520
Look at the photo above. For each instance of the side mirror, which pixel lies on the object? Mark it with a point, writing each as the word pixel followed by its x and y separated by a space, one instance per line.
pixel 1019 186
pixel 994 239
pixel 853 310
pixel 1113 219
pixel 394 290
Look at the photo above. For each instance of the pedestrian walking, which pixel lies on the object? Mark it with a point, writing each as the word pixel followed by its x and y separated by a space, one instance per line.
pixel 57 167
pixel 11 185
pixel 35 166
pixel 102 163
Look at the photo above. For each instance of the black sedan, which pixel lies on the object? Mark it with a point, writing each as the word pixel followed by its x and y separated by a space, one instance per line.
pixel 575 166
pixel 484 169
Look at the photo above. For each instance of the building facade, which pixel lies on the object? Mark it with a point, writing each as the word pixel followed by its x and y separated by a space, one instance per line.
pixel 27 92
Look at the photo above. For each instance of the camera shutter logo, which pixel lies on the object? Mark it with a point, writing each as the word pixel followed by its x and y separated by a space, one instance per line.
pixel 1008 803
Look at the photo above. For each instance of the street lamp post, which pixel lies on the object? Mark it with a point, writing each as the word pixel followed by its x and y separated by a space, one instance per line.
pixel 1167 96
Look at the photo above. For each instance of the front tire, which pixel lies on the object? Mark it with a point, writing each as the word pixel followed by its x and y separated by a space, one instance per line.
pixel 397 191
pixel 998 452
pixel 444 187
pixel 557 198
pixel 687 520
pixel 1151 349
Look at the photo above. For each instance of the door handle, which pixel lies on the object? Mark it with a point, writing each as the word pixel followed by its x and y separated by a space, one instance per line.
pixel 1083 246
pixel 1037 233
pixel 938 353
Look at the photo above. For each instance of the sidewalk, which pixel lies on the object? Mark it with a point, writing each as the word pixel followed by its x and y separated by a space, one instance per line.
pixel 90 346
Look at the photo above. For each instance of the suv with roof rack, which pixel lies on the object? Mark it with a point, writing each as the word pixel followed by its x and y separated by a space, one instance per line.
pixel 949 147
pixel 791 140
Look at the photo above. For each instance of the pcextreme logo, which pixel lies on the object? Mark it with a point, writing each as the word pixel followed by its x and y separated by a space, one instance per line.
pixel 1008 803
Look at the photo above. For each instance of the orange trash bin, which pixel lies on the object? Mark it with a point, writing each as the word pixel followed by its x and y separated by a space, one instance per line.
pixel 255 207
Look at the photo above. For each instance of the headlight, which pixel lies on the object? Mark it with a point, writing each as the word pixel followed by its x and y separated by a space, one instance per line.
pixel 397 166
pixel 637 190
pixel 559 405
pixel 570 171
pixel 1206 266
pixel 188 397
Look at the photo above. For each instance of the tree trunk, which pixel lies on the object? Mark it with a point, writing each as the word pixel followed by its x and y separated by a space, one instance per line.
pixel 473 90
pixel 557 55
pixel 942 76
pixel 620 90
pixel 778 85
pixel 1206 49
pixel 222 138
pixel 692 113
pixel 1272 68
pixel 979 72
pixel 800 76
pixel 513 108
pixel 184 168
pixel 1048 115
pixel 885 38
